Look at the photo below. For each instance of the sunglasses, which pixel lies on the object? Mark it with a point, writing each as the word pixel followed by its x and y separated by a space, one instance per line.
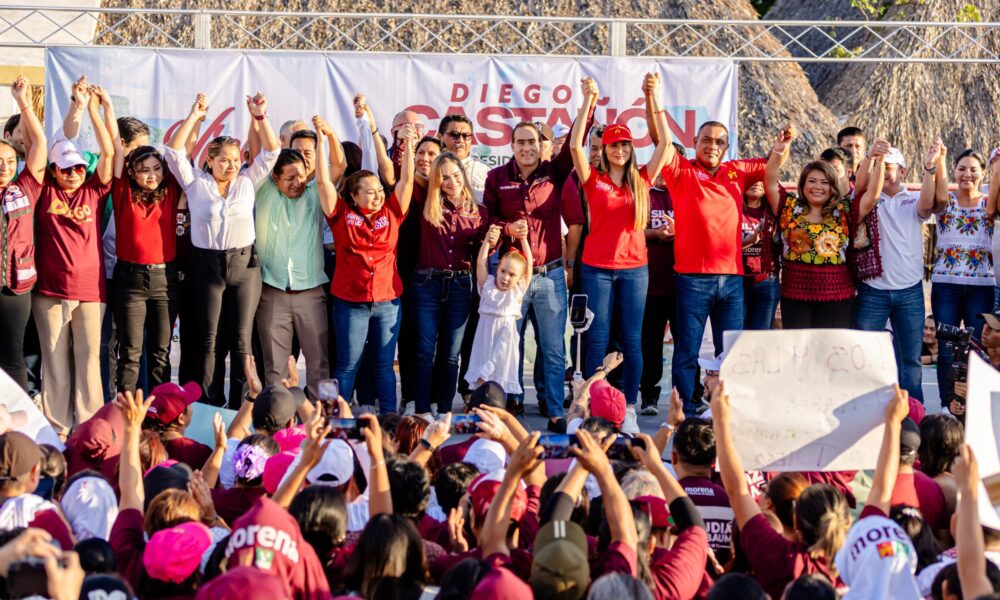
pixel 459 136
pixel 78 169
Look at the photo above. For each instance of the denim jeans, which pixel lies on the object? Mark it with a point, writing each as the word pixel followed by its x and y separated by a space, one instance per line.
pixel 957 304
pixel 441 311
pixel 698 298
pixel 904 309
pixel 616 294
pixel 545 301
pixel 377 325
pixel 760 300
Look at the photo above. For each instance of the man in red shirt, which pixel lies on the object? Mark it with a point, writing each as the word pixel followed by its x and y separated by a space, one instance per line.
pixel 708 205
pixel 524 196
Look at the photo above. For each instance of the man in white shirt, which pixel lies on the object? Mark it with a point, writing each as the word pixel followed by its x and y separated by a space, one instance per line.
pixel 896 295
pixel 456 133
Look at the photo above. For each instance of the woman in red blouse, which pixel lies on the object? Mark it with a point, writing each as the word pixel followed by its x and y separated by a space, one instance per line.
pixel 615 274
pixel 17 252
pixel 366 285
pixel 451 228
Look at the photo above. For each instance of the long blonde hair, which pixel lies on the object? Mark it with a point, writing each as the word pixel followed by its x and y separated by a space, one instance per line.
pixel 640 191
pixel 433 207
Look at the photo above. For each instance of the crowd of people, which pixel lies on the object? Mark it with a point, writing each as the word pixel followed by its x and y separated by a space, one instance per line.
pixel 405 249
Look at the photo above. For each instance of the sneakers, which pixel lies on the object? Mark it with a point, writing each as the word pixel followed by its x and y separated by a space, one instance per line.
pixel 649 408
pixel 630 425
pixel 557 426
pixel 407 409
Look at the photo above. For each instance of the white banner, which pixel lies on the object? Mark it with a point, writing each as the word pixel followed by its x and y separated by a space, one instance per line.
pixel 982 431
pixel 809 399
pixel 159 86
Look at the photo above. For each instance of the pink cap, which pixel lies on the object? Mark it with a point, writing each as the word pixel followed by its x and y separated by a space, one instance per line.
pixel 174 554
pixel 275 469
pixel 290 439
pixel 607 402
pixel 484 488
pixel 917 410
pixel 170 400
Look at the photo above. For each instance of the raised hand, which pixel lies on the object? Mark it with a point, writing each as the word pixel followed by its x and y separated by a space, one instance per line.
pixel 931 158
pixel 651 84
pixel 321 126
pixel 257 105
pixel 219 431
pixel 589 89
pixel 100 94
pixel 293 374
pixel 612 360
pixel 250 373
pixel 590 454
pixel 897 409
pixel 456 530
pixel 200 107
pixel 202 495
pixel 881 147
pixel 360 105
pixel 316 442
pixel 527 456
pixel 966 469
pixel 21 91
pixel 407 133
pixel 720 403
pixel 491 427
pixel 438 432
pixel 675 412
pixel 133 408
pixel 81 92
pixel 493 235
pixel 784 138
pixel 373 435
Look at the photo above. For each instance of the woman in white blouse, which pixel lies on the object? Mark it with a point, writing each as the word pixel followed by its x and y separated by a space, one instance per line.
pixel 221 201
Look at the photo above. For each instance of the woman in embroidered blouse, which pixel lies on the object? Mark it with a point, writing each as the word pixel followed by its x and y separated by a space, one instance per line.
pixel 962 278
pixel 816 287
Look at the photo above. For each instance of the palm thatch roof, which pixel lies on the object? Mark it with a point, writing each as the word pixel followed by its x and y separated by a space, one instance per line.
pixel 770 94
pixel 913 104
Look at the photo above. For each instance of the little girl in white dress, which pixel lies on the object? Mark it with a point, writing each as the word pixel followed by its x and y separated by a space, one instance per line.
pixel 495 354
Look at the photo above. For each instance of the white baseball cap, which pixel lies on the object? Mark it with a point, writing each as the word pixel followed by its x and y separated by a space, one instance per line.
pixel 895 157
pixel 559 130
pixel 65 154
pixel 336 467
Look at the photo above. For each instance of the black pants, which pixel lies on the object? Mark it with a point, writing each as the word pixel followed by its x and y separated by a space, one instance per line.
pixel 217 274
pixel 660 310
pixel 187 327
pixel 809 314
pixel 144 307
pixel 14 312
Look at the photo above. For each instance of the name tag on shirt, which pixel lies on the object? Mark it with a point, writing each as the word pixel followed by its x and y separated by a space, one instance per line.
pixel 381 222
pixel 604 187
pixel 510 187
pixel 15 200
pixel 355 220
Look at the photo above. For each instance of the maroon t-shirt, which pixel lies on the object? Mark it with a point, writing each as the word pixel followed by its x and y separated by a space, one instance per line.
pixel 454 244
pixel 520 562
pixel 453 453
pixel 752 228
pixel 188 451
pixel 920 491
pixel 678 572
pixel 68 250
pixel 661 252
pixel 619 558
pixel 232 503
pixel 776 561
pixel 128 541
pixel 713 505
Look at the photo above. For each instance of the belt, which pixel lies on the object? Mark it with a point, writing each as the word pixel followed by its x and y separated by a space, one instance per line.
pixel 139 267
pixel 542 270
pixel 443 273
pixel 210 252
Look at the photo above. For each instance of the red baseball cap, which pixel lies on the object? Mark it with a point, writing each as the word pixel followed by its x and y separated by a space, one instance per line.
pixel 484 488
pixel 656 508
pixel 174 554
pixel 616 133
pixel 607 402
pixel 170 400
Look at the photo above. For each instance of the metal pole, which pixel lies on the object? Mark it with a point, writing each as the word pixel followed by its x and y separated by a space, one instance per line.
pixel 202 30
pixel 618 39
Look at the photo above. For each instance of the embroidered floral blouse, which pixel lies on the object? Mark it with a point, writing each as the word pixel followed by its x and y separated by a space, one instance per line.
pixel 814 243
pixel 963 253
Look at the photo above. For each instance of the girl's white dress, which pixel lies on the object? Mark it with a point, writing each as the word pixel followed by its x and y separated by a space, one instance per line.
pixel 495 355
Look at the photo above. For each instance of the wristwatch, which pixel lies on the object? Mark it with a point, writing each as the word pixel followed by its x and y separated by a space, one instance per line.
pixel 668 427
pixel 426 444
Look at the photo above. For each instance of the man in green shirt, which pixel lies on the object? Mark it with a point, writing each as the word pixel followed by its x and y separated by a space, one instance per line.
pixel 289 222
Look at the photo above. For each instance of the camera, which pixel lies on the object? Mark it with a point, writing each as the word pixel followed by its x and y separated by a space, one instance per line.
pixel 346 429
pixel 960 342
pixel 462 424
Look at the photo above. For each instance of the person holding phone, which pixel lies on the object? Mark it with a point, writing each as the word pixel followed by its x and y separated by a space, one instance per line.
pixel 615 269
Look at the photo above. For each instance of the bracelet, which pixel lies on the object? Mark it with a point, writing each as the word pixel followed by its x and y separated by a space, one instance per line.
pixel 375 131
pixel 426 444
pixel 778 152
pixel 930 171
pixel 247 397
pixel 668 427
pixel 260 117
pixel 380 463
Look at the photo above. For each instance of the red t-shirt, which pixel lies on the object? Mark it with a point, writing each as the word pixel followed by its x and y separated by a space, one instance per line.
pixel 920 491
pixel 188 451
pixel 68 250
pixel 146 234
pixel 678 573
pixel 613 241
pixel 708 209
pixel 620 558
pixel 777 561
pixel 128 541
pixel 231 503
pixel 366 252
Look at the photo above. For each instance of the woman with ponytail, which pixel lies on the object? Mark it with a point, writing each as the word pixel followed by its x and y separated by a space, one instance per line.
pixel 615 271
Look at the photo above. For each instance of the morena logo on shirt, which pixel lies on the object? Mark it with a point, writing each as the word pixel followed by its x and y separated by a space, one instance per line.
pixel 732 175
pixel 263 536
pixel 888 540
pixel 355 220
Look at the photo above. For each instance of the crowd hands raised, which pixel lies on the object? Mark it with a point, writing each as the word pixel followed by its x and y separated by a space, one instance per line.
pixel 304 495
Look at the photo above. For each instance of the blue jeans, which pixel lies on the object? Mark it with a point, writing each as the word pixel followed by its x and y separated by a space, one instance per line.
pixel 545 303
pixel 904 308
pixel 441 313
pixel 760 300
pixel 698 298
pixel 616 294
pixel 956 304
pixel 374 323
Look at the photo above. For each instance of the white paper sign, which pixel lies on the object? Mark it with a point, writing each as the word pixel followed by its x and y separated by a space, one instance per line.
pixel 982 429
pixel 810 399
pixel 37 426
